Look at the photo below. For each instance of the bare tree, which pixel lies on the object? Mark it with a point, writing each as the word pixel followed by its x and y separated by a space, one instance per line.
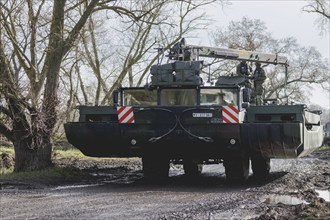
pixel 322 8
pixel 33 45
pixel 307 67
pixel 31 98
pixel 129 51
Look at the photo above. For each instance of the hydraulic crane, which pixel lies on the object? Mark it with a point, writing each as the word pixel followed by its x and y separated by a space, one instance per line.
pixel 186 52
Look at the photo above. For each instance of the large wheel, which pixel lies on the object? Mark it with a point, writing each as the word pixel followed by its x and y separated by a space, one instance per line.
pixel 155 167
pixel 192 167
pixel 237 168
pixel 260 166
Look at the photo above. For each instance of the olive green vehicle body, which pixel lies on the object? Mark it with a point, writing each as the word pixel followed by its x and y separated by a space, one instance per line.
pixel 272 131
pixel 176 118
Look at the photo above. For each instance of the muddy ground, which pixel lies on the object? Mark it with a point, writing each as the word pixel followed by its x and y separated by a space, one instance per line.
pixel 115 189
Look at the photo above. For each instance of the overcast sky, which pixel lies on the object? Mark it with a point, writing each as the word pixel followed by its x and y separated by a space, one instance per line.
pixel 283 18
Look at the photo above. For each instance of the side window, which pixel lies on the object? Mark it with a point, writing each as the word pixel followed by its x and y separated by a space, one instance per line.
pixel 218 96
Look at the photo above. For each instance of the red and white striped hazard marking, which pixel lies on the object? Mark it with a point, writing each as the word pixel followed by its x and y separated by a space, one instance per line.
pixel 230 114
pixel 125 114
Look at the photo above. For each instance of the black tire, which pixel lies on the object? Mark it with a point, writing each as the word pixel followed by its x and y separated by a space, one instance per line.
pixel 260 167
pixel 237 169
pixel 192 167
pixel 155 167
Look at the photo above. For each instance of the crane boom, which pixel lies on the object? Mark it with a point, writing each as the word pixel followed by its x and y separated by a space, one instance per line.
pixel 181 51
pixel 234 54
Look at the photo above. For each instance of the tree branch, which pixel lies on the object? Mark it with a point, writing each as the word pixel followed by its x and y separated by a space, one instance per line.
pixel 79 25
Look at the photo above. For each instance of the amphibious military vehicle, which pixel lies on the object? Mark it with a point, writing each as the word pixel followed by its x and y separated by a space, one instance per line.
pixel 177 118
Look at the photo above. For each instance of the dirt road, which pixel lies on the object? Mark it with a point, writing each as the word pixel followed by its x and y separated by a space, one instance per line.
pixel 116 190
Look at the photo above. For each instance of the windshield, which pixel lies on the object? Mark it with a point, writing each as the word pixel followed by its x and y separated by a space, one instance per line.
pixel 178 97
pixel 219 96
pixel 137 97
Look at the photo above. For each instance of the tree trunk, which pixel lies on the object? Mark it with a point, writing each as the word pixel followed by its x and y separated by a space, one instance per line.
pixel 32 125
pixel 27 159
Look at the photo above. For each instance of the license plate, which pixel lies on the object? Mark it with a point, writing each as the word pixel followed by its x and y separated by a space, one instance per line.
pixel 202 115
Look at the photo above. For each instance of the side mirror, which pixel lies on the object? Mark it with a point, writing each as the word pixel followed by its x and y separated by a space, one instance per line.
pixel 246 95
pixel 115 94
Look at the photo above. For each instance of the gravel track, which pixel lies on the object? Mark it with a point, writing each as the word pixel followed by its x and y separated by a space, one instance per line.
pixel 116 189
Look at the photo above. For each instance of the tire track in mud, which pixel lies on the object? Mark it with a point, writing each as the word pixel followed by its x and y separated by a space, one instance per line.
pixel 227 206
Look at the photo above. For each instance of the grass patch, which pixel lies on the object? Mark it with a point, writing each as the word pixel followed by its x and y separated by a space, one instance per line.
pixel 49 175
pixel 57 152
pixel 8 150
pixel 74 154
pixel 6 159
pixel 53 175
pixel 6 171
pixel 324 147
pixel 70 153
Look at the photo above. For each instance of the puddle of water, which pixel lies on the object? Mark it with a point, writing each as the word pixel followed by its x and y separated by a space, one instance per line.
pixel 102 174
pixel 324 194
pixel 75 186
pixel 287 200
